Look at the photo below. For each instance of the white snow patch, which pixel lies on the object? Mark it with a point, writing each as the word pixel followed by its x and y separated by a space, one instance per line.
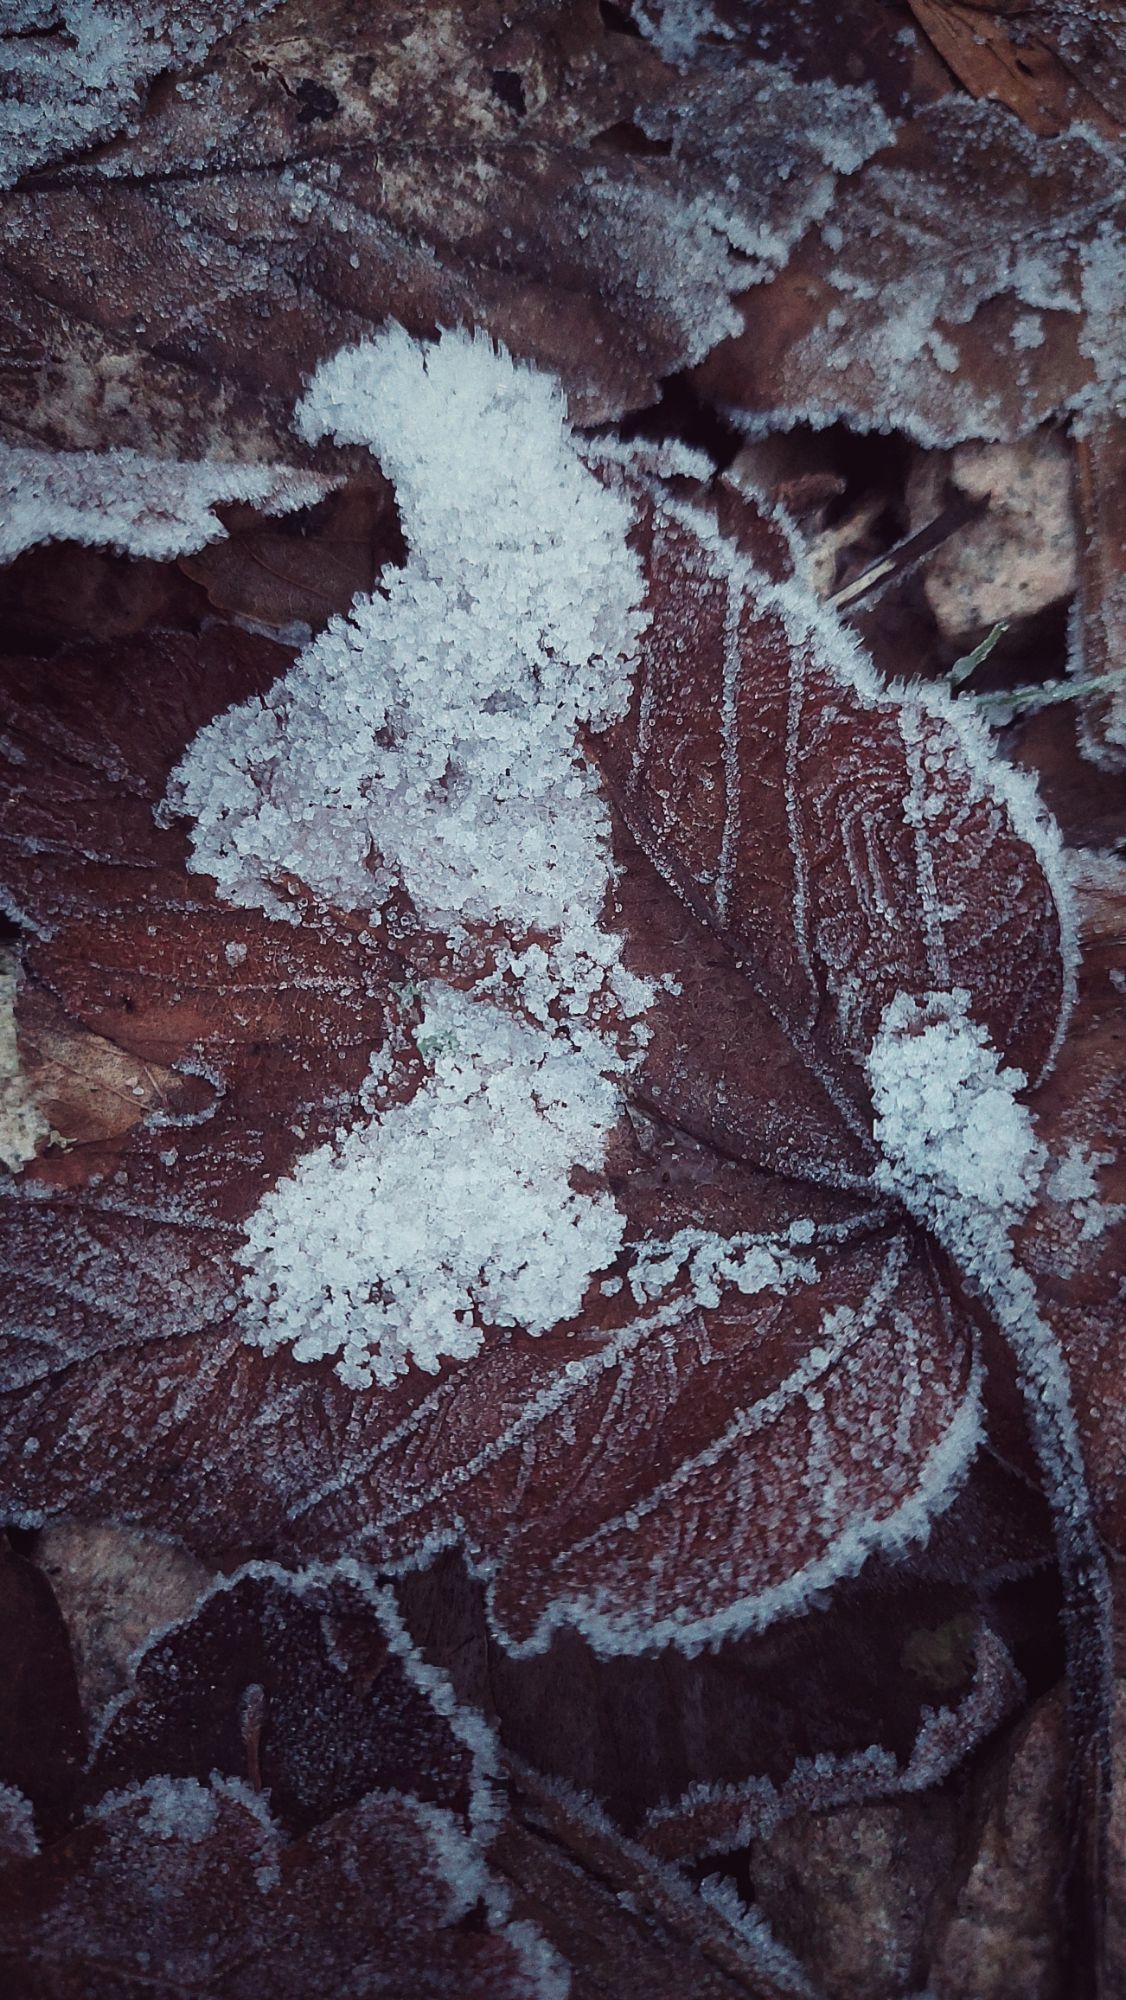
pixel 1073 1183
pixel 427 743
pixel 141 506
pixel 448 1213
pixel 428 739
pixel 958 1146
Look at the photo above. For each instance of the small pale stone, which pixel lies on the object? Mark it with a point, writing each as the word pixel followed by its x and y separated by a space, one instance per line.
pixel 1021 555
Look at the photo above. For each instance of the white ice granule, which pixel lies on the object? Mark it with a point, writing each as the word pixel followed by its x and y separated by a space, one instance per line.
pixel 713 1263
pixel 443 1215
pixel 427 740
pixel 1073 1183
pixel 179 1809
pixel 428 743
pixel 958 1146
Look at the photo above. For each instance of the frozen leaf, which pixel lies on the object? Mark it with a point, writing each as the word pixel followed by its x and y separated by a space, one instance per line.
pixel 797 847
pixel 326 168
pixel 1075 1238
pixel 858 39
pixel 293 1684
pixel 284 1784
pixel 180 1884
pixel 944 293
pixel 624 1921
pixel 139 506
pixel 72 72
pixel 857 1695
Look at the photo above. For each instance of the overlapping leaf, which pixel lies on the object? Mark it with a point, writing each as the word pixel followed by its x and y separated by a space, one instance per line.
pixel 331 167
pixel 951 292
pixel 797 846
pixel 297 1800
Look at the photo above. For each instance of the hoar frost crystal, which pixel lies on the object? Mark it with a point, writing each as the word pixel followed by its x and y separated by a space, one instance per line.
pixel 427 743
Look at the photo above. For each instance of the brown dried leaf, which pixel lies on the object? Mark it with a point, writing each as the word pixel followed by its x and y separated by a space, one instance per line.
pixel 729 779
pixel 86 1087
pixel 366 1869
pixel 942 293
pixel 330 167
pixel 1054 65
pixel 303 570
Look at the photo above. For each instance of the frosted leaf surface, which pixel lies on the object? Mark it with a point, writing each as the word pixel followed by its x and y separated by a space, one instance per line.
pixel 612 267
pixel 140 506
pixel 793 846
pixel 284 1782
pixel 175 1909
pixel 910 306
pixel 444 1214
pixel 72 71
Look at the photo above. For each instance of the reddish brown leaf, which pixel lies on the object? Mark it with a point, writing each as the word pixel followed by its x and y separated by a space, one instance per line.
pixel 598 214
pixel 800 910
pixel 306 1691
pixel 287 1683
pixel 943 294
pixel 304 569
pixel 42 1734
pixel 1053 65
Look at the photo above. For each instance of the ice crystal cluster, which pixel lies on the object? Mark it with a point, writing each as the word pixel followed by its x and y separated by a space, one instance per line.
pixel 379 1249
pixel 960 1149
pixel 428 738
pixel 125 500
pixel 427 743
pixel 958 1145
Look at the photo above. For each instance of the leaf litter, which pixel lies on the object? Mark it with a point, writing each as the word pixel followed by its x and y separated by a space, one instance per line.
pixel 629 1084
